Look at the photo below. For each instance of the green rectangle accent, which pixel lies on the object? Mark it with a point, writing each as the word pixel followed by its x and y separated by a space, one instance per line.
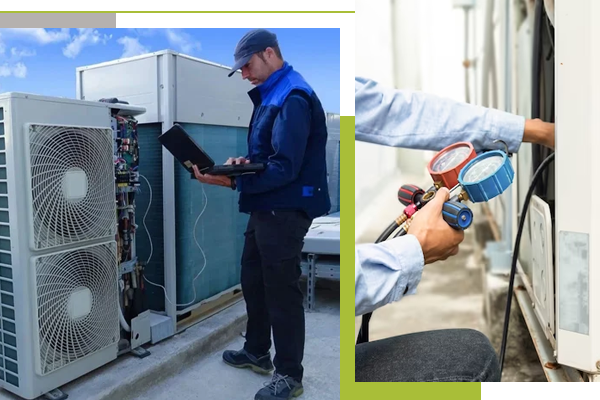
pixel 3 202
pixel 4 217
pixel 3 188
pixel 3 173
pixel 4 230
pixel 5 244
pixel 2 158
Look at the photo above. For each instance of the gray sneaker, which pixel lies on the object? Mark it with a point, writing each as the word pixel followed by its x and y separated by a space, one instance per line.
pixel 280 387
pixel 243 359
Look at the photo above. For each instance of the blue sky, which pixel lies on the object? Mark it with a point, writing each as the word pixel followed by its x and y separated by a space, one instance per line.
pixel 43 61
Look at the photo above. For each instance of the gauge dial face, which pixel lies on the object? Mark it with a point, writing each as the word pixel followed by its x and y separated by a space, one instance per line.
pixel 451 159
pixel 482 169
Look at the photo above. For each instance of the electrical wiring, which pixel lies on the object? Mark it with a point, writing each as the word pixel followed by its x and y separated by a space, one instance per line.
pixel 195 240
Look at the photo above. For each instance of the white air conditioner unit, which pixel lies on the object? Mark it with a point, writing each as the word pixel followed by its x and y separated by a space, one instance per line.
pixel 59 303
pixel 577 163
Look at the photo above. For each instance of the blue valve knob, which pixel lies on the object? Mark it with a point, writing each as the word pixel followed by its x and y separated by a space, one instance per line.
pixel 457 215
pixel 486 176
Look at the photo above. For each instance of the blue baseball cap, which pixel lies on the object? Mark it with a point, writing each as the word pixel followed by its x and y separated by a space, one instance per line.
pixel 252 42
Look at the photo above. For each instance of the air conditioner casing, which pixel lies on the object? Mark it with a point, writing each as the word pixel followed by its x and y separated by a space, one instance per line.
pixel 58 297
pixel 577 234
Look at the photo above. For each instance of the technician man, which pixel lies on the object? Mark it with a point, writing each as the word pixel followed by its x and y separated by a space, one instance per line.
pixel 387 271
pixel 288 133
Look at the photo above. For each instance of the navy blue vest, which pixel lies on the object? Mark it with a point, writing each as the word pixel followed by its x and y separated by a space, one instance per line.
pixel 296 176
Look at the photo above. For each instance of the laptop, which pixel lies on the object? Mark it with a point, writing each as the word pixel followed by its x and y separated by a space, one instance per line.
pixel 189 153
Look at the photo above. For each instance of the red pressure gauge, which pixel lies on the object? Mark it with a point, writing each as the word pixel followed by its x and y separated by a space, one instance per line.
pixel 445 166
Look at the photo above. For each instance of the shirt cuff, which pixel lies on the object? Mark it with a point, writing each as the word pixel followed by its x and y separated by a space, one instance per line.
pixel 508 128
pixel 238 183
pixel 411 261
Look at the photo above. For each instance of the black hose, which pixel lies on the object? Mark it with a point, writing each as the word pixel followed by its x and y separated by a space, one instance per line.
pixel 363 334
pixel 401 232
pixel 388 231
pixel 513 268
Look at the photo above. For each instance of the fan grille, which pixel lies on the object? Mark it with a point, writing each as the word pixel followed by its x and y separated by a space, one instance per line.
pixel 72 182
pixel 77 304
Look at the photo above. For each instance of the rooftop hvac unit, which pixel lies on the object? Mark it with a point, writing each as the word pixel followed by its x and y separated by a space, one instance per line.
pixel 58 264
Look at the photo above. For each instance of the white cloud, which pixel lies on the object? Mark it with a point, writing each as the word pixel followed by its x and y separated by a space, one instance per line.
pixel 10 61
pixel 18 54
pixel 40 35
pixel 11 66
pixel 180 40
pixel 85 37
pixel 19 70
pixel 131 47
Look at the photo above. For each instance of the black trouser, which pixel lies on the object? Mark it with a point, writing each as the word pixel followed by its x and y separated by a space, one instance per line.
pixel 270 282
pixel 445 355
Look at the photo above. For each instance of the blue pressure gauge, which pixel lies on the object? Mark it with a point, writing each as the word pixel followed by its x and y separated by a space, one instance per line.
pixel 486 176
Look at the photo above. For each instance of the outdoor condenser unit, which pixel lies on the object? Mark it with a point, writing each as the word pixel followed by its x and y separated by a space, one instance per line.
pixel 577 233
pixel 58 263
pixel 559 253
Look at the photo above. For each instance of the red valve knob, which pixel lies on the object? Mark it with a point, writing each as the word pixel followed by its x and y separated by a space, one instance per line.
pixel 409 194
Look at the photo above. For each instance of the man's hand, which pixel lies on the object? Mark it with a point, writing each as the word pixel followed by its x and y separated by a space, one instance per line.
pixel 212 179
pixel 539 132
pixel 238 160
pixel 438 240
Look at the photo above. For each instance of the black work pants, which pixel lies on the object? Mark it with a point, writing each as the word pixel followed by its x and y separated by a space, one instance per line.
pixel 270 283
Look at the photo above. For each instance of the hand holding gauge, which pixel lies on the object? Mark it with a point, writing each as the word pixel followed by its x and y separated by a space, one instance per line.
pixel 444 169
pixel 481 178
